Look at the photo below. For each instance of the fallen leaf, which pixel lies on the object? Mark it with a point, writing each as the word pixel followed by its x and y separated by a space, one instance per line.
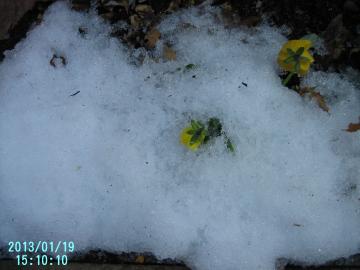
pixel 80 5
pixel 190 66
pixel 120 3
pixel 54 60
pixel 144 9
pixel 320 100
pixel 135 21
pixel 152 37
pixel 108 15
pixel 140 259
pixel 169 54
pixel 174 5
pixel 250 21
pixel 353 127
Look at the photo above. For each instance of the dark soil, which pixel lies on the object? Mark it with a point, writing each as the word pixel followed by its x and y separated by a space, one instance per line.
pixel 18 32
pixel 99 256
pixel 337 21
pixel 350 263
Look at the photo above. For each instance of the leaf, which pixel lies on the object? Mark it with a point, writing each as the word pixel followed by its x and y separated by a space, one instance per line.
pixel 152 38
pixel 135 21
pixel 141 8
pixel 320 100
pixel 229 145
pixel 289 60
pixel 297 67
pixel 352 127
pixel 190 132
pixel 190 66
pixel 300 51
pixel 214 127
pixel 140 259
pixel 290 52
pixel 196 136
pixel 194 124
pixel 169 54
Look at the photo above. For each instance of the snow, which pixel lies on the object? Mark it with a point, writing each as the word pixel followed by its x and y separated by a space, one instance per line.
pixel 105 168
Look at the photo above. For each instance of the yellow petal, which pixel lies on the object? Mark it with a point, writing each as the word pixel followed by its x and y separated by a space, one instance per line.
pixel 297 43
pixel 305 65
pixel 185 139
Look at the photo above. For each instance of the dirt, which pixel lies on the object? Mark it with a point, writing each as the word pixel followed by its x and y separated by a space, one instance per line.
pixel 337 21
pixel 102 256
pixel 18 32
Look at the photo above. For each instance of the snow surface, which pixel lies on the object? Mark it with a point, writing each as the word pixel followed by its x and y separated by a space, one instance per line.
pixel 105 168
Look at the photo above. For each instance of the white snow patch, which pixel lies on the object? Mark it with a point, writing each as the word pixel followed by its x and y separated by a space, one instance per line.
pixel 105 168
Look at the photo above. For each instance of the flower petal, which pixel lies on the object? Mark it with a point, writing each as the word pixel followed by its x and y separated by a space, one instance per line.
pixel 185 139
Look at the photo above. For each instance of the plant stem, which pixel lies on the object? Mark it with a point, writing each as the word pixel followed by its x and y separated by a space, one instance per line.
pixel 287 79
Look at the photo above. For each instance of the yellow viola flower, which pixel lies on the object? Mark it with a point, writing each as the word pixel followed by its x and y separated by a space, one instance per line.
pixel 193 136
pixel 295 57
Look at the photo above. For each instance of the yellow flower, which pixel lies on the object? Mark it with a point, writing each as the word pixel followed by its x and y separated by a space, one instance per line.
pixel 186 136
pixel 295 57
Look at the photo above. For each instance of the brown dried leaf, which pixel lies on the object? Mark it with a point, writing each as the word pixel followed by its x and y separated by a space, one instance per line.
pixel 80 5
pixel 227 7
pixel 121 3
pixel 140 259
pixel 353 127
pixel 111 3
pixel 55 58
pixel 135 21
pixel 174 5
pixel 144 9
pixel 320 100
pixel 250 21
pixel 108 15
pixel 152 37
pixel 169 54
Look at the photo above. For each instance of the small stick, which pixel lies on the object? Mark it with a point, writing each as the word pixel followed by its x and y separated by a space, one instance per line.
pixel 77 92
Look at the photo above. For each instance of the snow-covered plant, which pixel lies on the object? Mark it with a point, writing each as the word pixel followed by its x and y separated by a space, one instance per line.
pixel 294 57
pixel 196 134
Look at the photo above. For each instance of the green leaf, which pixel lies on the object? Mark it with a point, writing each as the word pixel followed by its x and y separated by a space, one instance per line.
pixel 300 51
pixel 199 124
pixel 214 127
pixel 229 145
pixel 190 66
pixel 190 132
pixel 194 124
pixel 196 137
pixel 290 52
pixel 289 60
pixel 297 67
